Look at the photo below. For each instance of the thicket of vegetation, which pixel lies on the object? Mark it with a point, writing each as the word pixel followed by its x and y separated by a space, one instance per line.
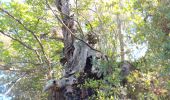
pixel 133 33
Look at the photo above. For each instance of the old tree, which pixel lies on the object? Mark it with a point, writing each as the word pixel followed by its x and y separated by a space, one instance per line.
pixel 81 50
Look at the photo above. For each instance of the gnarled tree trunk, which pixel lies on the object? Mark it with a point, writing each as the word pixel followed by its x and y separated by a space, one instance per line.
pixel 76 52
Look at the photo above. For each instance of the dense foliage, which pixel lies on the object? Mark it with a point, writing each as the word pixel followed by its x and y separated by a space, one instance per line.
pixel 31 46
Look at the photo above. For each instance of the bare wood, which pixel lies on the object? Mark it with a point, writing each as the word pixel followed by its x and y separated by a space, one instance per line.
pixel 120 35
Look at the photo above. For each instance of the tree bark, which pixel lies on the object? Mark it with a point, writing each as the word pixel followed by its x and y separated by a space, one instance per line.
pixel 76 52
pixel 120 36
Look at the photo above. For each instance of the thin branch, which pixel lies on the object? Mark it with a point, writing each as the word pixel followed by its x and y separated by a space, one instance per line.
pixel 17 20
pixel 57 39
pixel 38 40
pixel 9 66
pixel 25 62
pixel 38 55
pixel 38 20
pixel 4 67
pixel 24 44
pixel 14 83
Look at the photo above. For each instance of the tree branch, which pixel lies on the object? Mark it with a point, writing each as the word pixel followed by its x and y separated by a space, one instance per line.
pixel 3 67
pixel 38 40
pixel 14 83
pixel 17 20
pixel 57 38
pixel 22 43
pixel 9 66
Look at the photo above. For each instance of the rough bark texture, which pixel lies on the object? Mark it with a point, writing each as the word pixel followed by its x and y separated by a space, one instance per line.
pixel 77 58
pixel 75 51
